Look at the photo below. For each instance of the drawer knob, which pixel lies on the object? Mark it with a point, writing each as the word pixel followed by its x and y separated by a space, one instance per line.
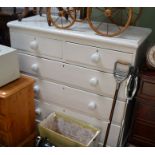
pixel 93 81
pixel 34 45
pixel 95 57
pixel 92 105
pixel 36 88
pixel 35 67
pixel 38 111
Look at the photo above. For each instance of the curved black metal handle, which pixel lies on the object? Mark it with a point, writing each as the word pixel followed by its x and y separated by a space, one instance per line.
pixel 128 87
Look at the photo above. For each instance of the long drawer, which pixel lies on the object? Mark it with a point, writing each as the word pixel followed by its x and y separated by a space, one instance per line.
pixel 47 108
pixel 86 79
pixel 103 59
pixel 37 45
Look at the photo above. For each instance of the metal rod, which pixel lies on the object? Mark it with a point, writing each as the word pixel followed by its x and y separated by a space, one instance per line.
pixel 111 114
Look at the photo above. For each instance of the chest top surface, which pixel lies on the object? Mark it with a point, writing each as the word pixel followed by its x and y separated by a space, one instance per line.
pixel 133 37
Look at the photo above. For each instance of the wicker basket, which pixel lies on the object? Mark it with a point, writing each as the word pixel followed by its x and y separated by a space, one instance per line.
pixel 62 130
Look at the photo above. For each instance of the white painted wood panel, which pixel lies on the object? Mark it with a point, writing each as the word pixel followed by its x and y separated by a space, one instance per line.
pixel 102 59
pixel 37 45
pixel 49 47
pixel 21 41
pixel 128 41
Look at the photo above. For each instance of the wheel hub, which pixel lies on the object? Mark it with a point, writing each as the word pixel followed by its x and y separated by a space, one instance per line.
pixel 61 13
pixel 108 12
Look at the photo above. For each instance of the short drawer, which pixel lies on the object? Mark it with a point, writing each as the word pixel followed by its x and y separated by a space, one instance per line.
pixel 103 59
pixel 86 79
pixel 146 90
pixel 144 129
pixel 49 107
pixel 78 100
pixel 37 45
pixel 145 110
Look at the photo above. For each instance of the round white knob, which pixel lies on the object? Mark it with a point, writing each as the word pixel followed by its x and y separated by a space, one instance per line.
pixel 34 45
pixel 36 88
pixel 35 67
pixel 93 81
pixel 92 105
pixel 95 57
pixel 38 111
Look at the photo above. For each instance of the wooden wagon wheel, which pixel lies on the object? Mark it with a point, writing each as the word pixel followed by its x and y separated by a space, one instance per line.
pixel 117 20
pixel 61 17
pixel 104 26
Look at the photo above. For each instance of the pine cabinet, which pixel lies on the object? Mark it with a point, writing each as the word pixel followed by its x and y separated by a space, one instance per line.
pixel 17 113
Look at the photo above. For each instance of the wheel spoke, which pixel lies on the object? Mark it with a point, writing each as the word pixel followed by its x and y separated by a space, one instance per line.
pixel 56 19
pixel 61 22
pixel 107 28
pixel 99 25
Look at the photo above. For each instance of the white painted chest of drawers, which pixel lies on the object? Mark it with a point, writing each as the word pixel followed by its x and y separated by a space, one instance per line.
pixel 73 69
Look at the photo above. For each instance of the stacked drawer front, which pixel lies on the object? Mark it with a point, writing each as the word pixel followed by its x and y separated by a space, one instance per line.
pixel 5 125
pixel 87 79
pixel 4 129
pixel 73 79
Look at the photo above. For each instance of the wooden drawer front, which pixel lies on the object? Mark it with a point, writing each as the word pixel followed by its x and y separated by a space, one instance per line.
pixel 82 78
pixel 5 125
pixel 84 102
pixel 144 131
pixel 103 59
pixel 145 111
pixel 147 90
pixel 47 108
pixel 5 139
pixel 40 46
pixel 3 108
